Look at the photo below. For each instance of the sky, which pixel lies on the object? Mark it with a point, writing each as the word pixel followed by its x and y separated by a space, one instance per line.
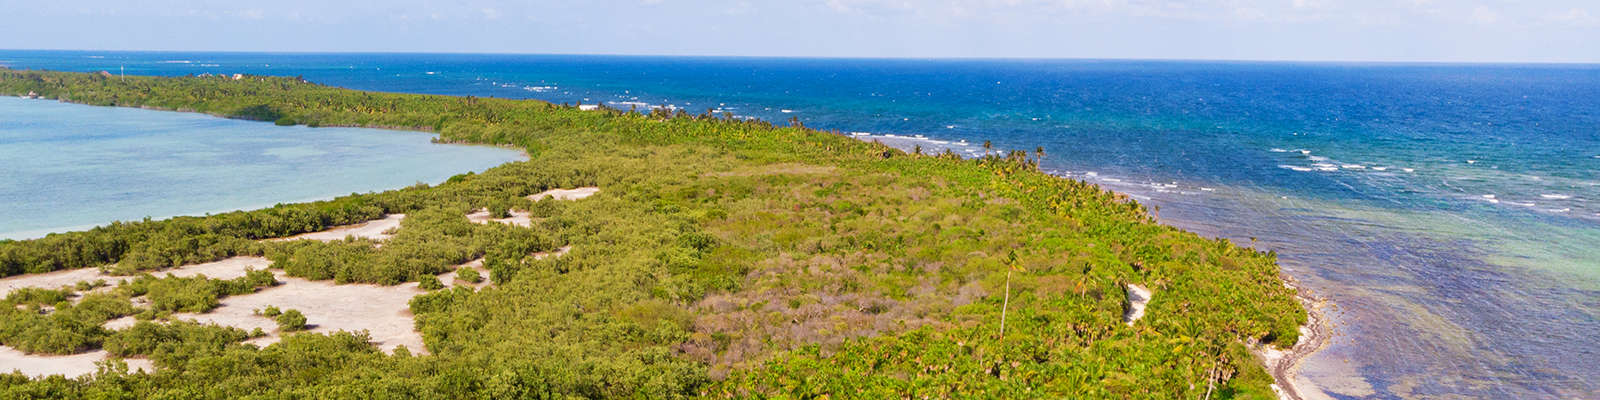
pixel 1291 30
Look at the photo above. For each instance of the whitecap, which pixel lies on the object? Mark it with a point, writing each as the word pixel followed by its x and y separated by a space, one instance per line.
pixel 1278 150
pixel 1296 168
pixel 1380 168
pixel 1409 169
pixel 1527 204
pixel 1555 196
pixel 1206 189
pixel 431 73
pixel 786 111
pixel 1472 161
pixel 1317 158
pixel 949 126
pixel 1354 166
pixel 1305 152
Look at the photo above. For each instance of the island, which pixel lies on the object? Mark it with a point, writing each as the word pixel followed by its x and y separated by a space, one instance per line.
pixel 642 254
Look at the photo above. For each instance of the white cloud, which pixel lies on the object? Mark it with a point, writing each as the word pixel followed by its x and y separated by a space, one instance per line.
pixel 490 13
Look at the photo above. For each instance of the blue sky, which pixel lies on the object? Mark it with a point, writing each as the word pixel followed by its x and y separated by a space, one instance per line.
pixel 1349 30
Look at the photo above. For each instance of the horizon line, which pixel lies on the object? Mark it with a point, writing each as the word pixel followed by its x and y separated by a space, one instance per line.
pixel 814 57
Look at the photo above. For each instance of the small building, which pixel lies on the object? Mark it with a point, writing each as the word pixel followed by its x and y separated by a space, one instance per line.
pixel 238 76
pixel 105 73
pixel 588 107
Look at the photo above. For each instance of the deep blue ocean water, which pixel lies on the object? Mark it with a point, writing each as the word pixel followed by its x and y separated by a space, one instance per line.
pixel 1451 213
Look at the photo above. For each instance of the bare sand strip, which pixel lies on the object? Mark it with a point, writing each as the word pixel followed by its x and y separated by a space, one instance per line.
pixel 224 269
pixel 71 366
pixel 449 278
pixel 383 311
pixel 381 229
pixel 566 194
pixel 517 218
pixel 51 280
pixel 1285 365
pixel 1138 299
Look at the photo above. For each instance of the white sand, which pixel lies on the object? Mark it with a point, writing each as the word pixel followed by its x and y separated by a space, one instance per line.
pixel 224 269
pixel 72 366
pixel 558 253
pixel 120 323
pixel 51 280
pixel 1138 299
pixel 381 229
pixel 449 278
pixel 566 194
pixel 382 311
pixel 517 218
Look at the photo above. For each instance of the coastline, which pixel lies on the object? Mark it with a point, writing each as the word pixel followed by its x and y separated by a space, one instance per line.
pixel 1282 364
pixel 1287 284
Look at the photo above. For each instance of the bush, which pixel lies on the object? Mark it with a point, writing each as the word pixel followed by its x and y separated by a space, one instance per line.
pixel 469 274
pixel 291 320
pixel 430 283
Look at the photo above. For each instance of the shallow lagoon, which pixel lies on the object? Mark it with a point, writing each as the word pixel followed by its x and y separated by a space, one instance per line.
pixel 69 167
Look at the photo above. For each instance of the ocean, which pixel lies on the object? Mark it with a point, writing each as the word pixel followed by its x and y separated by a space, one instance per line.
pixel 1449 213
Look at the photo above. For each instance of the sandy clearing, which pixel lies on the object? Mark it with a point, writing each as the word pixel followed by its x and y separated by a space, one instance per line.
pixel 566 194
pixel 376 229
pixel 120 323
pixel 449 278
pixel 383 311
pixel 71 366
pixel 1138 299
pixel 558 253
pixel 517 218
pixel 224 269
pixel 51 280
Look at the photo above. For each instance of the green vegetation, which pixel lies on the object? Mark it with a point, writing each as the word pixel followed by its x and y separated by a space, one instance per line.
pixel 290 321
pixel 723 258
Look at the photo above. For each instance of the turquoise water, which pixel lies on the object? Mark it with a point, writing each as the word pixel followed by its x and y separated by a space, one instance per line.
pixel 70 167
pixel 1450 213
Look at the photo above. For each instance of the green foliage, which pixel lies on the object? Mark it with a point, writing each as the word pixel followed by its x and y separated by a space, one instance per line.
pixel 290 321
pixel 724 258
pixel 469 275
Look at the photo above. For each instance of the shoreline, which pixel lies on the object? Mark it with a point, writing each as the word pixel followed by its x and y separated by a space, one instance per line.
pixel 1283 365
pixel 1314 336
pixel 1282 368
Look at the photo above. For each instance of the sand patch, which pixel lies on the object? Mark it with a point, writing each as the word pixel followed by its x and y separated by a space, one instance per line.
pixel 51 280
pixel 1138 299
pixel 225 269
pixel 558 253
pixel 383 311
pixel 71 366
pixel 517 218
pixel 381 229
pixel 566 194
pixel 121 323
pixel 449 278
